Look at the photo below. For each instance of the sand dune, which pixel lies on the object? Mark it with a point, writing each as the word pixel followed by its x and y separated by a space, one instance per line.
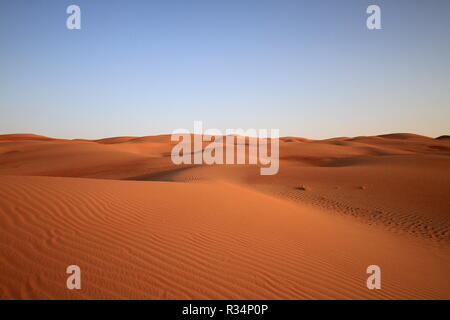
pixel 142 228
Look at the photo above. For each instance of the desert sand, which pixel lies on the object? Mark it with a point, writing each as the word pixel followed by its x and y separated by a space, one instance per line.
pixel 141 227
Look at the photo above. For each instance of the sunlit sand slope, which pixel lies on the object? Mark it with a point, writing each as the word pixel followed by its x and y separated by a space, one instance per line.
pixel 168 240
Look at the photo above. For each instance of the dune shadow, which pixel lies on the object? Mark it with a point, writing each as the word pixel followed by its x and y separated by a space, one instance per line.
pixel 166 175
pixel 346 162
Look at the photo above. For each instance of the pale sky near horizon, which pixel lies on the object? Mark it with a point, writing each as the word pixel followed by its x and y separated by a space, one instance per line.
pixel 310 68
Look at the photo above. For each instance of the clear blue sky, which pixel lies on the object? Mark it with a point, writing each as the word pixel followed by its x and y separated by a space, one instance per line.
pixel 309 68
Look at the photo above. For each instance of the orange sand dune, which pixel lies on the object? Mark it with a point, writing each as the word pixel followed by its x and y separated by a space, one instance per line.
pixel 224 231
pixel 133 240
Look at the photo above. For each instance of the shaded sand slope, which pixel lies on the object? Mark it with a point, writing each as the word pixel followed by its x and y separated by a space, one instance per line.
pixel 204 240
pixel 81 158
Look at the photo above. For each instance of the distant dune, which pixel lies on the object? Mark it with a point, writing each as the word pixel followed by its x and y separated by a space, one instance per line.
pixel 141 227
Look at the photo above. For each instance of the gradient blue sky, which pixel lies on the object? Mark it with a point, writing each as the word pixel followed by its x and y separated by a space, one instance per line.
pixel 309 68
